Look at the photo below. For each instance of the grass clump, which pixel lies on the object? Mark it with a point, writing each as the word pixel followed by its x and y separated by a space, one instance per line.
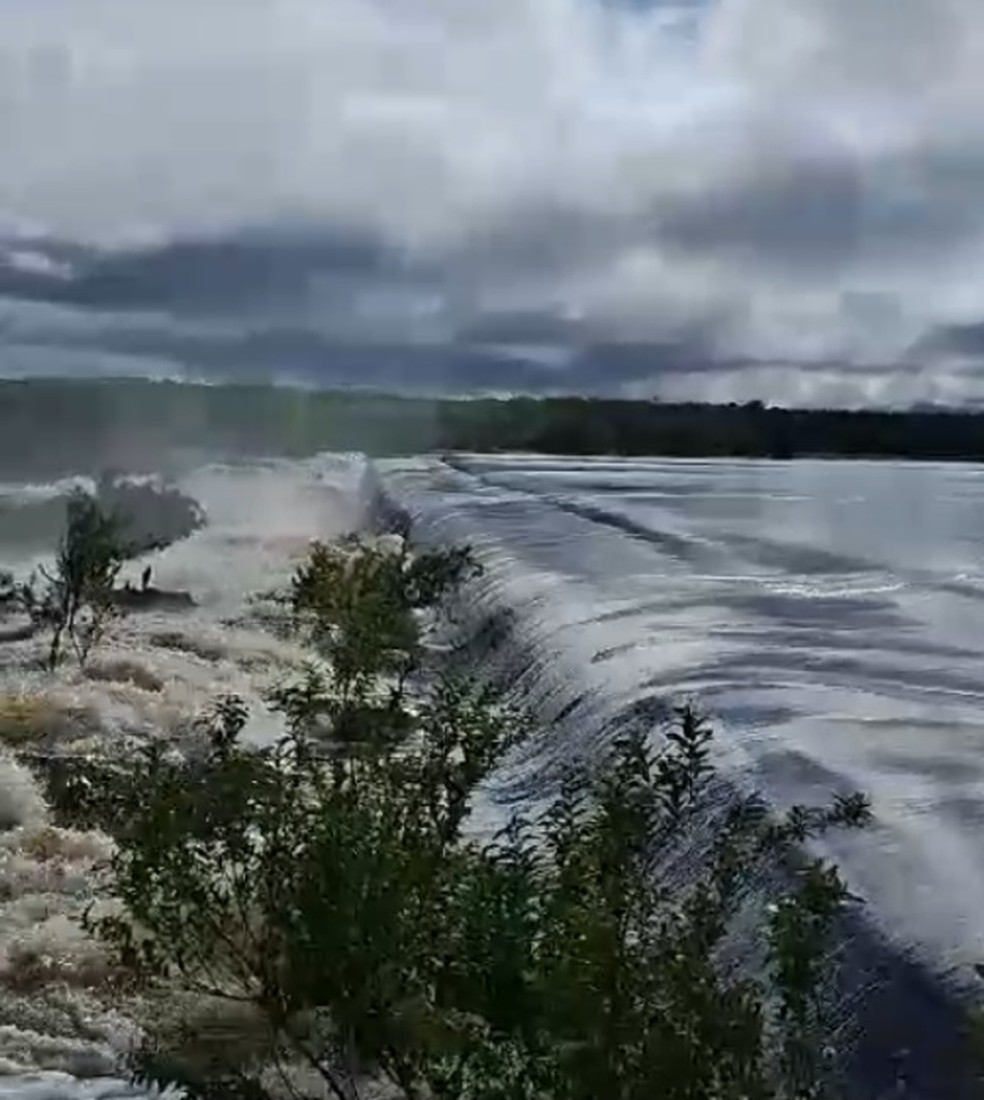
pixel 180 642
pixel 328 885
pixel 26 719
pixel 29 719
pixel 123 670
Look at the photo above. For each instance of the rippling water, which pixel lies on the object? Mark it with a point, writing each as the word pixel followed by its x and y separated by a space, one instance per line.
pixel 828 615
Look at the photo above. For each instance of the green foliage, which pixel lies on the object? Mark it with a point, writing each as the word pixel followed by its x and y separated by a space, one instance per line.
pixel 77 600
pixel 430 576
pixel 360 604
pixel 596 425
pixel 330 882
pixel 299 879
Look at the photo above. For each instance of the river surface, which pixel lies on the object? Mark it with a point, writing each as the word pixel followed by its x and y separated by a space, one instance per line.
pixel 829 617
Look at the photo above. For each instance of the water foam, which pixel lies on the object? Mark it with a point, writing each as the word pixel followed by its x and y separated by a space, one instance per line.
pixel 63 1029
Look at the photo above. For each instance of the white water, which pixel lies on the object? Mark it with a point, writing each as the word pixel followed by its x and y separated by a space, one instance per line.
pixel 828 615
pixel 155 673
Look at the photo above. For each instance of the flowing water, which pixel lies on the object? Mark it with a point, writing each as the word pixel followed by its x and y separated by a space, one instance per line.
pixel 154 675
pixel 828 616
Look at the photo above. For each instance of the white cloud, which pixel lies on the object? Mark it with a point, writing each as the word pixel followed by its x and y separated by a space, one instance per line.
pixel 418 117
pixel 802 178
pixel 34 263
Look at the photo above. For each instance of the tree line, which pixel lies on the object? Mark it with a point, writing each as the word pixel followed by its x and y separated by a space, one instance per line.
pixel 138 424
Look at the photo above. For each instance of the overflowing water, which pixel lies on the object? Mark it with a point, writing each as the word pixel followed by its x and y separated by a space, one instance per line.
pixel 154 675
pixel 828 616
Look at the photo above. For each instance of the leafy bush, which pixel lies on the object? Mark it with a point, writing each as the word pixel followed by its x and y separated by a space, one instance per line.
pixel 329 884
pixel 76 602
pixel 358 603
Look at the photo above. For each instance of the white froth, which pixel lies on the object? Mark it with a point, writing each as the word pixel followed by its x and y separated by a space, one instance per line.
pixel 62 1030
pixel 14 493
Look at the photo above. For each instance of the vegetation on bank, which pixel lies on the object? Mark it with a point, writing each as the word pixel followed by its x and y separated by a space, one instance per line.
pixel 74 600
pixel 237 419
pixel 328 888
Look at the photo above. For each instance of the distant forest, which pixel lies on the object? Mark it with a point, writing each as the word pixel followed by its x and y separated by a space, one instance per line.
pixel 51 427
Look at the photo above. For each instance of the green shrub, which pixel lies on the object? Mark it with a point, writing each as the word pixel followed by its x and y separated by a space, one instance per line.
pixel 357 603
pixel 76 601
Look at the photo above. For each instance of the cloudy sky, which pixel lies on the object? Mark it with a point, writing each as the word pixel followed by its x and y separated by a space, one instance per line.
pixel 723 199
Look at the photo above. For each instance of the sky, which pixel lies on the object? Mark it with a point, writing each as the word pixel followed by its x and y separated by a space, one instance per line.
pixel 716 199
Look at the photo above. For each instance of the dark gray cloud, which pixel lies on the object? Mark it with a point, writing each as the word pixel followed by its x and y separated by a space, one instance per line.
pixel 962 341
pixel 536 355
pixel 805 216
pixel 205 276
